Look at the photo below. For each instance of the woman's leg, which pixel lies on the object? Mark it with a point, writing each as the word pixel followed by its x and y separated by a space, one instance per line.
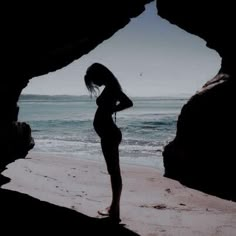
pixel 111 154
pixel 116 184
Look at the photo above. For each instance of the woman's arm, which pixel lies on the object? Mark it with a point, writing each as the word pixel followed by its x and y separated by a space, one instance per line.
pixel 124 102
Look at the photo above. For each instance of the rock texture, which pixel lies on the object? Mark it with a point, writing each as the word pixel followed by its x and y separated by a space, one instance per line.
pixel 202 155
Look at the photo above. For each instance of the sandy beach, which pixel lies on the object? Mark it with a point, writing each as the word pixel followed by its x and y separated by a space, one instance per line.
pixel 151 204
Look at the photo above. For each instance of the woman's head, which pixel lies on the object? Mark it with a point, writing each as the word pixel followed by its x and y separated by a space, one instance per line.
pixel 98 75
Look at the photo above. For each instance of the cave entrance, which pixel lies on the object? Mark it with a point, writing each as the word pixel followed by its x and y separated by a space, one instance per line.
pixel 157 64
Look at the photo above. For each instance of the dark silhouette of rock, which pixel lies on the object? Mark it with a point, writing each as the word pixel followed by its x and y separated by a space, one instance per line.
pixel 16 141
pixel 202 154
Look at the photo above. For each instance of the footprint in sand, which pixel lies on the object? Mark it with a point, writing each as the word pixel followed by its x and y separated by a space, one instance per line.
pixel 168 190
pixel 158 206
pixel 151 179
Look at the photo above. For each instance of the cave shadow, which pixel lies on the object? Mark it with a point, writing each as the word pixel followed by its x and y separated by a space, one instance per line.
pixel 23 214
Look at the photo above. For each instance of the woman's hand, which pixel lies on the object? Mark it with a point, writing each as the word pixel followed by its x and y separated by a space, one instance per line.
pixel 123 102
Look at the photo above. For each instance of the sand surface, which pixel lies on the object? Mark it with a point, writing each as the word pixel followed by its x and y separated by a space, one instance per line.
pixel 151 204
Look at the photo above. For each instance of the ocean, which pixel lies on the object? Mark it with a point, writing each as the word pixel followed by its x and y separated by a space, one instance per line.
pixel 63 125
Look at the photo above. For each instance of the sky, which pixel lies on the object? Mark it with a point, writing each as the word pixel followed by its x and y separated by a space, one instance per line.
pixel 150 57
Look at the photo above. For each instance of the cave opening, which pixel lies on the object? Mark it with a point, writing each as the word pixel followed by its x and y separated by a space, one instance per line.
pixel 159 65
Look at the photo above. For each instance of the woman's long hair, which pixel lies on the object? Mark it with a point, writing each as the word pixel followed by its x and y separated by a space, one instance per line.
pixel 97 72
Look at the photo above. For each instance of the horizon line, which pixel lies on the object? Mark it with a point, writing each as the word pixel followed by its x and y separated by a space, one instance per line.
pixel 185 95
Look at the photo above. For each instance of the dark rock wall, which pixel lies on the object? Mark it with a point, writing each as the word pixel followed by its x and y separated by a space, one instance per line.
pixel 202 155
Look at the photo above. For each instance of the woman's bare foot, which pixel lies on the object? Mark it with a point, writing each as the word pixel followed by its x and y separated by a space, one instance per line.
pixel 105 212
pixel 113 215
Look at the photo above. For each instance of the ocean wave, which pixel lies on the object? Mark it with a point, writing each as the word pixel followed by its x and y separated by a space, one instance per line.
pixel 52 98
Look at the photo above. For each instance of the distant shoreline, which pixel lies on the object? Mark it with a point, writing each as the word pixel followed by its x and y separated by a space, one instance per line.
pixel 31 96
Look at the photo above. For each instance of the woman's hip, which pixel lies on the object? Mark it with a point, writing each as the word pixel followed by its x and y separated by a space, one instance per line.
pixel 113 136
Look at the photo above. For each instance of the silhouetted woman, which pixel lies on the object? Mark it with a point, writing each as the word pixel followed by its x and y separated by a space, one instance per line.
pixel 111 100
